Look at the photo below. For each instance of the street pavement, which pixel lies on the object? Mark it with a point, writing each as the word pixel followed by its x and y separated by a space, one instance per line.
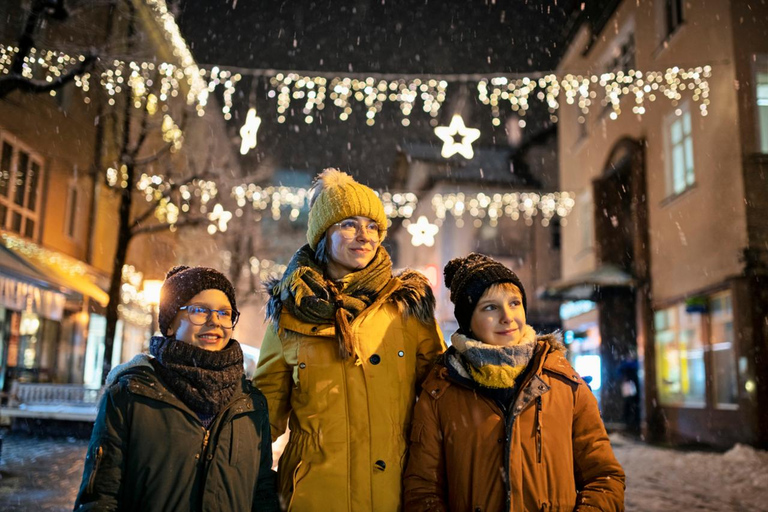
pixel 43 475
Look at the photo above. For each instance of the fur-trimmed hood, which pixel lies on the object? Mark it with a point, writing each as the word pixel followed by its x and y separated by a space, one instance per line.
pixel 412 294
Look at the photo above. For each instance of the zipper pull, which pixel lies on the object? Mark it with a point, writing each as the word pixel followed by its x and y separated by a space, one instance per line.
pixel 205 439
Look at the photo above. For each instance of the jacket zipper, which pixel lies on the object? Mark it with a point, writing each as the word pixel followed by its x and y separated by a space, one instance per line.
pixel 96 462
pixel 538 429
pixel 205 440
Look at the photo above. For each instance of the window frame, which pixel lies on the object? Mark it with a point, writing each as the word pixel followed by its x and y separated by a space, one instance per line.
pixel 8 200
pixel 708 346
pixel 669 165
pixel 760 63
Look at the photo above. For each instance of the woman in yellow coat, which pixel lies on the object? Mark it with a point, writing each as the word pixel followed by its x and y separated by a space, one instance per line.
pixel 341 362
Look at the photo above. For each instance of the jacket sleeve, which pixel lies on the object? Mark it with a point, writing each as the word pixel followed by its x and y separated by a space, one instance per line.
pixel 599 476
pixel 424 485
pixel 430 345
pixel 265 498
pixel 274 378
pixel 105 458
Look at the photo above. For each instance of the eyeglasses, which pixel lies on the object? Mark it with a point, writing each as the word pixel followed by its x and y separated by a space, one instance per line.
pixel 199 315
pixel 349 228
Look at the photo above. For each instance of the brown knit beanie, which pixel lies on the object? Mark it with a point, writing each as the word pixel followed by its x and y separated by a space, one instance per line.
pixel 469 277
pixel 182 283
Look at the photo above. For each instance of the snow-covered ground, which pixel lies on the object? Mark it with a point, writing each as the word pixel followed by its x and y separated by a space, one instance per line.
pixel 665 479
pixel 43 475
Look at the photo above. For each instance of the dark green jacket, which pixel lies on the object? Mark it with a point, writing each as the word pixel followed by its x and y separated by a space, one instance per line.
pixel 150 452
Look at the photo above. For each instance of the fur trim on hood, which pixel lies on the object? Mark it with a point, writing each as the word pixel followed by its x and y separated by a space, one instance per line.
pixel 139 360
pixel 413 296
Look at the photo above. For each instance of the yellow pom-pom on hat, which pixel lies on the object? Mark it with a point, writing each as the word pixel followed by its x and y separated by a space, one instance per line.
pixel 337 196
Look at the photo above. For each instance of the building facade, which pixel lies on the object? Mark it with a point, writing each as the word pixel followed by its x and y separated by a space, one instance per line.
pixel 59 211
pixel 664 256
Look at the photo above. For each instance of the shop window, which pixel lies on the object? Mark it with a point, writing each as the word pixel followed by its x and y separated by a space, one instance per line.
pixel 695 349
pixel 724 378
pixel 20 188
pixel 761 93
pixel 94 351
pixel 680 357
pixel 679 151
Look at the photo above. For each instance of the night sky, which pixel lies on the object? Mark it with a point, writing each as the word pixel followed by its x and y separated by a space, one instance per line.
pixel 384 36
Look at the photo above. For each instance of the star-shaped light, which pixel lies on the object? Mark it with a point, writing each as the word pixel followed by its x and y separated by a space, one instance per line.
pixel 422 232
pixel 249 130
pixel 457 138
pixel 219 218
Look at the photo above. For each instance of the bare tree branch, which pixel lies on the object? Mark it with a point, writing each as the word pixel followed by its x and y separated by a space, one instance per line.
pixel 166 195
pixel 17 82
pixel 164 226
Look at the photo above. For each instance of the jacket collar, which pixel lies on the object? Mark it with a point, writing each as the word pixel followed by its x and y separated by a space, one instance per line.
pixel 288 322
pixel 138 377
pixel 549 356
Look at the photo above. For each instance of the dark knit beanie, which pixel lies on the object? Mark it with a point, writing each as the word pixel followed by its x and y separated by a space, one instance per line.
pixel 469 277
pixel 182 283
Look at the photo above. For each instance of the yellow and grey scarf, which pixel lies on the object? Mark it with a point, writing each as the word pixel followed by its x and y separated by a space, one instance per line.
pixel 492 366
pixel 306 294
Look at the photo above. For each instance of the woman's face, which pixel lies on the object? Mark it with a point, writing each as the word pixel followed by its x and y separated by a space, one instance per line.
pixel 211 334
pixel 352 244
pixel 499 316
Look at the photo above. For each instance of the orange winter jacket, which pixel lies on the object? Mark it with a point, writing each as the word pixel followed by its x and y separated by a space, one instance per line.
pixel 548 451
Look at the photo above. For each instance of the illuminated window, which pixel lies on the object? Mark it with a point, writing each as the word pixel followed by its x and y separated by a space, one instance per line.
pixel 20 189
pixel 723 359
pixel 679 149
pixel 686 338
pixel 680 357
pixel 761 93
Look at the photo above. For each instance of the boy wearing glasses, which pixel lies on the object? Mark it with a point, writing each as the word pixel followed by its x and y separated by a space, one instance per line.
pixel 183 429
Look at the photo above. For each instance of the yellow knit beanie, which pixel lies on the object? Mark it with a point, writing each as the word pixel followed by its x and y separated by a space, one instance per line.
pixel 337 196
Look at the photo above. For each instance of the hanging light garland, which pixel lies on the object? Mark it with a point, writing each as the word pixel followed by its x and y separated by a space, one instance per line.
pixel 315 92
pixel 343 91
pixel 582 90
pixel 403 205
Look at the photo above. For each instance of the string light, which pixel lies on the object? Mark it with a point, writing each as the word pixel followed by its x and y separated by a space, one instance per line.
pixel 266 269
pixel 313 92
pixel 402 205
pixel 582 90
pixel 457 138
pixel 219 218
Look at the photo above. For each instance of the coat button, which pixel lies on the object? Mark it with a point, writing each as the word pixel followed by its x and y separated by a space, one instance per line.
pixel 380 464
pixel 375 359
pixel 302 365
pixel 209 456
pixel 400 353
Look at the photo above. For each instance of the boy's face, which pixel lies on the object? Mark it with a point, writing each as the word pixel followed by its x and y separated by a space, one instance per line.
pixel 211 335
pixel 499 316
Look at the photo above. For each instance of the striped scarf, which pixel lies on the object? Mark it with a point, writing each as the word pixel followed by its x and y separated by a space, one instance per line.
pixel 492 366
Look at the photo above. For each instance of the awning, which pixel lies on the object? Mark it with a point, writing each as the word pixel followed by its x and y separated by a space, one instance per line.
pixel 22 287
pixel 57 269
pixel 585 286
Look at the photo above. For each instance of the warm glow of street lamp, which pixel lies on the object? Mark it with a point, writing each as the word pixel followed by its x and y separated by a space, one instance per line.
pixel 151 291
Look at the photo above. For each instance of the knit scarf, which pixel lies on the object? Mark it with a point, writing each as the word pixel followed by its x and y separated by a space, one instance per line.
pixel 493 366
pixel 310 297
pixel 204 380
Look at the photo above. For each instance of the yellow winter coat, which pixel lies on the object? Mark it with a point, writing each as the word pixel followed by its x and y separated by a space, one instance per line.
pixel 349 419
